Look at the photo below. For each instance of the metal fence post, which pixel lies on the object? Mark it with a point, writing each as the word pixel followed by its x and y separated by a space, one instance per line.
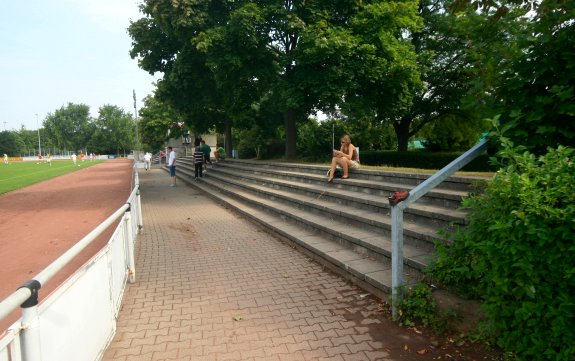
pixel 30 334
pixel 129 247
pixel 139 207
pixel 396 258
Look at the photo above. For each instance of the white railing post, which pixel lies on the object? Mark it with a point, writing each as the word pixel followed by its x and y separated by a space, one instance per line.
pixel 139 208
pixel 129 247
pixel 30 331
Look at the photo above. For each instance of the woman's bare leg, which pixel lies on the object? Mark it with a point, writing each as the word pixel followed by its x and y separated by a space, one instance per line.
pixel 345 166
pixel 332 169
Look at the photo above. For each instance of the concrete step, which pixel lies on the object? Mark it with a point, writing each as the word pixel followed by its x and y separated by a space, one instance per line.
pixel 346 223
pixel 360 266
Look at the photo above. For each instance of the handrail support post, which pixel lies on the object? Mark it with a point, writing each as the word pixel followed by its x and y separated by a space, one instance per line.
pixel 129 241
pixel 396 258
pixel 30 332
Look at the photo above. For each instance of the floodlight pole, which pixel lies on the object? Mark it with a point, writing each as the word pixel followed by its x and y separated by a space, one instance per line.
pixel 136 115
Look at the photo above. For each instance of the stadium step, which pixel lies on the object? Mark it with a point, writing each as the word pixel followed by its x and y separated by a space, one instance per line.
pixel 345 224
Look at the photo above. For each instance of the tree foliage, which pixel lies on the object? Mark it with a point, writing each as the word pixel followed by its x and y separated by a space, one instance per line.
pixel 226 62
pixel 538 90
pixel 113 131
pixel 518 255
pixel 10 143
pixel 72 128
pixel 69 127
pixel 154 122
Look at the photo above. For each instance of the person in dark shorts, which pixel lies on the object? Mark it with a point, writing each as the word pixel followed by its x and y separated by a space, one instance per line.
pixel 172 165
pixel 198 161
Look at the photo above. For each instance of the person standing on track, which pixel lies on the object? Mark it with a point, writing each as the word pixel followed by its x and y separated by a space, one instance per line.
pixel 172 165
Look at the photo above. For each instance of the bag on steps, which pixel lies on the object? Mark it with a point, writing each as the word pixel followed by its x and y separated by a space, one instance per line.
pixel 338 173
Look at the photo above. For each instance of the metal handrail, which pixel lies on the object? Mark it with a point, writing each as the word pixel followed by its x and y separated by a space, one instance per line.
pixel 27 346
pixel 13 301
pixel 397 217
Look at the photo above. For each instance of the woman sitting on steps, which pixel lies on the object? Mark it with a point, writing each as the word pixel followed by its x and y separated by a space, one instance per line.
pixel 346 158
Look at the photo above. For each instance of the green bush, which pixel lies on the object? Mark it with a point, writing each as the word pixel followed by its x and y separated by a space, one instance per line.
pixel 417 306
pixel 518 253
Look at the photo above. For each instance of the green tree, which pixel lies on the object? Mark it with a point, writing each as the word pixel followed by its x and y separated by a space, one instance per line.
pixel 11 143
pixel 452 133
pixel 538 91
pixel 154 122
pixel 70 127
pixel 533 88
pixel 164 42
pixel 384 64
pixel 30 139
pixel 225 62
pixel 114 130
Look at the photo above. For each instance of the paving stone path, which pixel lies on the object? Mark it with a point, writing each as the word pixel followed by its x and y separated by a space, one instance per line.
pixel 213 286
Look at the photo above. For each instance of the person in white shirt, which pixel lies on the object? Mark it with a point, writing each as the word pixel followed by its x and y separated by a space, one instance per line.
pixel 147 160
pixel 172 165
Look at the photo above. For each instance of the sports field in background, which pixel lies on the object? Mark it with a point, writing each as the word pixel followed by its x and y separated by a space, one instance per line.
pixel 16 175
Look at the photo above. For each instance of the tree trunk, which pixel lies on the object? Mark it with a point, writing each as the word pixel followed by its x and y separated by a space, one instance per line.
pixel 228 138
pixel 291 134
pixel 402 133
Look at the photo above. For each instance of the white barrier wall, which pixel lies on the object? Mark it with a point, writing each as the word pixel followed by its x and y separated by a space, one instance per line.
pixel 77 321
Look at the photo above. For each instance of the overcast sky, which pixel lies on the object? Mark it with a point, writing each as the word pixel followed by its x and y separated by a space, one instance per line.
pixel 60 51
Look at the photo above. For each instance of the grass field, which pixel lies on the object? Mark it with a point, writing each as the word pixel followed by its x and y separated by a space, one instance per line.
pixel 18 175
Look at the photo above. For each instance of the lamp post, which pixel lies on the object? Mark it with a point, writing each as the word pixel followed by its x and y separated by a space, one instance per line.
pixel 38 125
pixel 136 114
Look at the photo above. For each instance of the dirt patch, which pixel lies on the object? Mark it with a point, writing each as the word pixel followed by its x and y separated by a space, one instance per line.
pixel 411 343
pixel 41 222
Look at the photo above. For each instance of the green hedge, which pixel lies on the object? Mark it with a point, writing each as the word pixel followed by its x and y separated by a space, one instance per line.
pixel 518 254
pixel 424 160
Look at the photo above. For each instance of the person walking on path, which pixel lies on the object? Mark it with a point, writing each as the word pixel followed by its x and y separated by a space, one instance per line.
pixel 198 161
pixel 172 165
pixel 147 160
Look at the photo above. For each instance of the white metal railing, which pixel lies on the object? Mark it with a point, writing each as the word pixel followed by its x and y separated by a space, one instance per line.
pixel 78 320
pixel 397 217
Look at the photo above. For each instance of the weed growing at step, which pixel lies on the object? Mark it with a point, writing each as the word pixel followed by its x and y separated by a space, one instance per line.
pixel 418 307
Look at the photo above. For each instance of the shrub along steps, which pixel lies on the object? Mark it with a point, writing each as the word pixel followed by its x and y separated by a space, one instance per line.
pixel 346 223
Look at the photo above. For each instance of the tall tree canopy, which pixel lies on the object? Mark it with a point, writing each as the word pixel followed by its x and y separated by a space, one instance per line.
pixel 533 74
pixel 72 128
pixel 154 122
pixel 538 90
pixel 223 61
pixel 69 127
pixel 10 143
pixel 113 131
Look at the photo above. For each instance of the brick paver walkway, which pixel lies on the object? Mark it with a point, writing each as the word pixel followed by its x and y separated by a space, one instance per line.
pixel 213 286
